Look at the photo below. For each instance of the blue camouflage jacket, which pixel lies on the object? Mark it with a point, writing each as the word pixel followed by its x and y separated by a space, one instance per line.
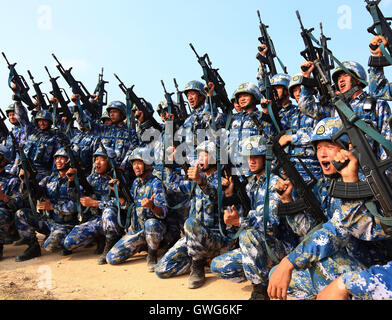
pixel 146 188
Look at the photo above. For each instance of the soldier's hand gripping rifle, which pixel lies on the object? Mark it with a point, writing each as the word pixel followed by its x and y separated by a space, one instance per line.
pixel 212 75
pixel 21 89
pixel 57 93
pixel 268 60
pixel 381 27
pixel 307 201
pixel 355 128
pixel 79 89
pixel 140 104
pixel 39 96
pixel 312 53
pixel 101 94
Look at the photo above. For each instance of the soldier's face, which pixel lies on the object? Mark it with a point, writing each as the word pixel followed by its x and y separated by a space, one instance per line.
pixel 256 163
pixel 115 116
pixel 12 117
pixel 245 99
pixel 280 91
pixel 43 124
pixel 237 107
pixel 138 167
pixel 344 82
pixel 296 92
pixel 60 162
pixel 108 122
pixel 202 160
pixel 101 164
pixel 193 98
pixel 326 152
pixel 139 115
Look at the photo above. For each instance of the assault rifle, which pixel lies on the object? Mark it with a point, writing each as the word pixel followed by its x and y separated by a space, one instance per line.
pixel 78 88
pixel 39 96
pixel 268 60
pixel 212 75
pixel 312 53
pixel 140 104
pixel 181 103
pixel 101 93
pixel 373 169
pixel 382 27
pixel 35 192
pixel 57 93
pixel 21 89
pixel 307 202
pixel 131 124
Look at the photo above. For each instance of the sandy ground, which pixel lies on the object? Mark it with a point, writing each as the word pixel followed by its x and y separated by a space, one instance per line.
pixel 79 277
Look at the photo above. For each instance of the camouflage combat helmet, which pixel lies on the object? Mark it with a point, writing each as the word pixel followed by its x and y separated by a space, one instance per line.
pixel 352 66
pixel 253 146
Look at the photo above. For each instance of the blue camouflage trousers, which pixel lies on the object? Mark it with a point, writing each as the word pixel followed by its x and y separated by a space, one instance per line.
pixel 136 241
pixel 250 261
pixel 6 219
pixel 198 243
pixel 306 284
pixel 85 233
pixel 28 224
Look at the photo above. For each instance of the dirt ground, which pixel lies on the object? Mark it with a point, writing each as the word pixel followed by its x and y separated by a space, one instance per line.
pixel 79 277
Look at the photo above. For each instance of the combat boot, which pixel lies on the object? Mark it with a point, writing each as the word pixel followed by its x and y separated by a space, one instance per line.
pixel 151 260
pixel 108 245
pixel 259 292
pixel 100 240
pixel 197 276
pixel 33 251
pixel 21 242
pixel 65 252
pixel 1 250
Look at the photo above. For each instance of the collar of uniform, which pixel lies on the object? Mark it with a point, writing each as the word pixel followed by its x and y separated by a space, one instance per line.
pixel 146 179
pixel 361 97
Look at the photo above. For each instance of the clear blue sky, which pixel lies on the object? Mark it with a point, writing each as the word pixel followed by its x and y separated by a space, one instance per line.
pixel 148 41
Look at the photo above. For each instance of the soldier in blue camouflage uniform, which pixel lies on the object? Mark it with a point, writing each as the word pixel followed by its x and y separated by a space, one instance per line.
pixel 296 125
pixel 242 125
pixel 201 118
pixel 374 111
pixel 202 239
pixel 101 218
pixel 146 134
pixel 177 202
pixel 10 200
pixel 148 228
pixel 374 283
pixel 58 203
pixel 343 244
pixel 116 136
pixel 20 137
pixel 41 143
pixel 379 86
pixel 251 261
